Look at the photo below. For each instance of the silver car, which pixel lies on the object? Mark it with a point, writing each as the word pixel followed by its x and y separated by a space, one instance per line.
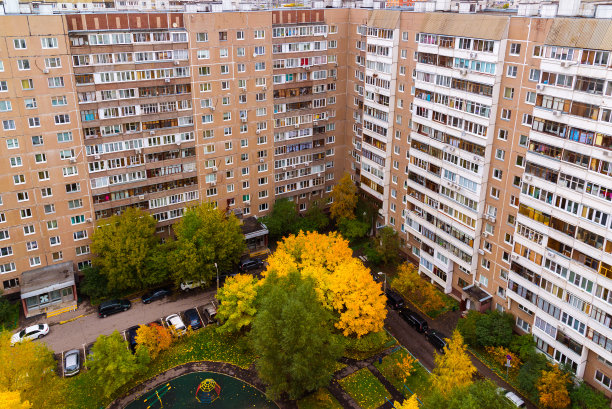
pixel 72 362
pixel 176 325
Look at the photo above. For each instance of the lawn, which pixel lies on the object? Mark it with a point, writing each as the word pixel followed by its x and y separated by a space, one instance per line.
pixel 321 399
pixel 204 345
pixel 450 304
pixel 417 382
pixel 368 345
pixel 367 391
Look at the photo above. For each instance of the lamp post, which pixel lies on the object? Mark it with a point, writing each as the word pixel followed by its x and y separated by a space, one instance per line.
pixel 217 276
pixel 385 284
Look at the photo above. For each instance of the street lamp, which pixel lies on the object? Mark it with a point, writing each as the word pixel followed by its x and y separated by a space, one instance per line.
pixel 217 277
pixel 385 284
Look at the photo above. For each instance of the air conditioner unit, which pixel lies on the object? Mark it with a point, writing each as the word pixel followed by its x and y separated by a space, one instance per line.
pixel 527 177
pixel 481 252
pixel 243 120
pixel 167 79
pixel 324 35
pixel 96 157
pixel 176 62
pixel 264 88
pixel 151 132
pixel 318 175
pixel 254 55
pixel 261 160
pixel 138 150
pixel 296 125
pixel 72 160
pixel 284 167
pixel 452 149
pixel 473 55
pixel 557 113
pixel 214 169
pixel 178 142
pixel 540 87
pixel 550 254
pixel 491 219
pixel 607 153
pixel 89 220
pixel 45 71
pixel 477 158
pixel 514 257
pixel 485 234
pixel 213 183
pixel 463 71
pixel 257 132
pixel 307 68
pixel 141 197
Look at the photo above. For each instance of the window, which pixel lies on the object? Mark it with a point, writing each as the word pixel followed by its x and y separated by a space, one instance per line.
pixel 16 161
pixel 202 37
pixel 59 101
pixel 37 140
pixel 497 173
pixel 48 42
pixel 506 114
pixel 534 75
pixel 500 154
pixel 55 82
pixel 515 49
pixel 34 261
pixel 259 34
pixel 29 229
pixel 34 122
pixel 23 65
pixel 222 35
pixel 12 143
pixel 5 106
pixel 64 137
pixel 511 71
pixel 19 179
pixel 19 44
pixel 30 103
pixel 53 62
pixel 530 97
pixel 8 125
pixel 509 93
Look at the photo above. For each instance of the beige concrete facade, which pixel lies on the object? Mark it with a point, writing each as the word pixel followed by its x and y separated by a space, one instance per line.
pixel 484 146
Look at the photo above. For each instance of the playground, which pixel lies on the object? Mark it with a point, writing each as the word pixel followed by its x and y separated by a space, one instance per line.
pixel 202 390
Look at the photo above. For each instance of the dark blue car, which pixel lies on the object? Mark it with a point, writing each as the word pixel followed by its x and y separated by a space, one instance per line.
pixel 157 294
pixel 192 319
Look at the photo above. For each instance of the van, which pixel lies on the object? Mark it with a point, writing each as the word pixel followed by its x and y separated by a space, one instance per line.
pixel 112 307
pixel 414 320
pixel 436 339
pixel 394 300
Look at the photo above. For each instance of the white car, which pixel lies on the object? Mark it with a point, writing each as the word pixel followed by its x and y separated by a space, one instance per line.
pixel 30 333
pixel 512 397
pixel 190 285
pixel 175 323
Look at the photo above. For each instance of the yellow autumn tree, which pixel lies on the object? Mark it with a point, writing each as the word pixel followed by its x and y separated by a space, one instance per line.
pixel 552 386
pixel 411 403
pixel 404 366
pixel 11 400
pixel 154 338
pixel 412 286
pixel 500 354
pixel 454 369
pixel 343 283
pixel 345 199
pixel 237 303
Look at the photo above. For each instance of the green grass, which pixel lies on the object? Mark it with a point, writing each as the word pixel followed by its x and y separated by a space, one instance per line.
pixel 368 345
pixel 321 399
pixel 450 304
pixel 204 345
pixel 367 391
pixel 418 381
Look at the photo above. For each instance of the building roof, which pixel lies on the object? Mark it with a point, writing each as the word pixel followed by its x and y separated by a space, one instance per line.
pixel 252 227
pixel 479 25
pixel 476 293
pixel 384 19
pixel 45 279
pixel 581 33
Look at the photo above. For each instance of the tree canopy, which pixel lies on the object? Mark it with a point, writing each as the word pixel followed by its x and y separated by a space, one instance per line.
pixel 283 218
pixel 553 387
pixel 124 245
pixel 113 365
pixel 292 334
pixel 204 236
pixel 345 199
pixel 584 396
pixel 342 282
pixel 19 363
pixel 477 395
pixel 454 369
pixel 388 245
pixel 237 303
pixel 155 338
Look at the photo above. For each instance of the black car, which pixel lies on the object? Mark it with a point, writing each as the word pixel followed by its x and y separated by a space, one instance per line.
pixel 130 336
pixel 157 294
pixel 112 307
pixel 394 300
pixel 436 339
pixel 192 319
pixel 251 264
pixel 414 320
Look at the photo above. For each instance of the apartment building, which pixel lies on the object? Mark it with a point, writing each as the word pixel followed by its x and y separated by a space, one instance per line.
pixel 484 139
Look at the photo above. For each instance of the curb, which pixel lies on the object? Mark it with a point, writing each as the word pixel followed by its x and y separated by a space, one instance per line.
pixel 73 319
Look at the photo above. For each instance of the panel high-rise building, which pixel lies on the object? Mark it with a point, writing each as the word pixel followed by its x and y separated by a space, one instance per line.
pixel 484 138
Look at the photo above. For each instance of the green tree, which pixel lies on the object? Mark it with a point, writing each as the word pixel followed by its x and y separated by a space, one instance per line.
pixel 29 369
pixel 345 199
pixel 237 303
pixel 283 218
pixel 388 245
pixel 9 312
pixel 314 218
pixel 467 327
pixel 523 346
pixel 529 375
pixel 292 334
pixel 123 244
pixel 205 236
pixel 495 329
pixel 481 394
pixel 112 364
pixel 584 396
pixel 353 229
pixel 94 284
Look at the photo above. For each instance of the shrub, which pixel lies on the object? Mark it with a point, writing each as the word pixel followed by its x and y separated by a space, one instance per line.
pixel 494 329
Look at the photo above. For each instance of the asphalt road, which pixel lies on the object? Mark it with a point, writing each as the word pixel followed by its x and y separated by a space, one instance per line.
pixel 85 330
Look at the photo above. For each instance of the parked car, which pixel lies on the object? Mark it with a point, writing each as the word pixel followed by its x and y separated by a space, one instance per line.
pixel 209 311
pixel 156 294
pixel 512 397
pixel 414 320
pixel 435 338
pixel 72 362
pixel 130 336
pixel 190 285
pixel 394 300
pixel 112 307
pixel 176 325
pixel 251 264
pixel 193 319
pixel 30 333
